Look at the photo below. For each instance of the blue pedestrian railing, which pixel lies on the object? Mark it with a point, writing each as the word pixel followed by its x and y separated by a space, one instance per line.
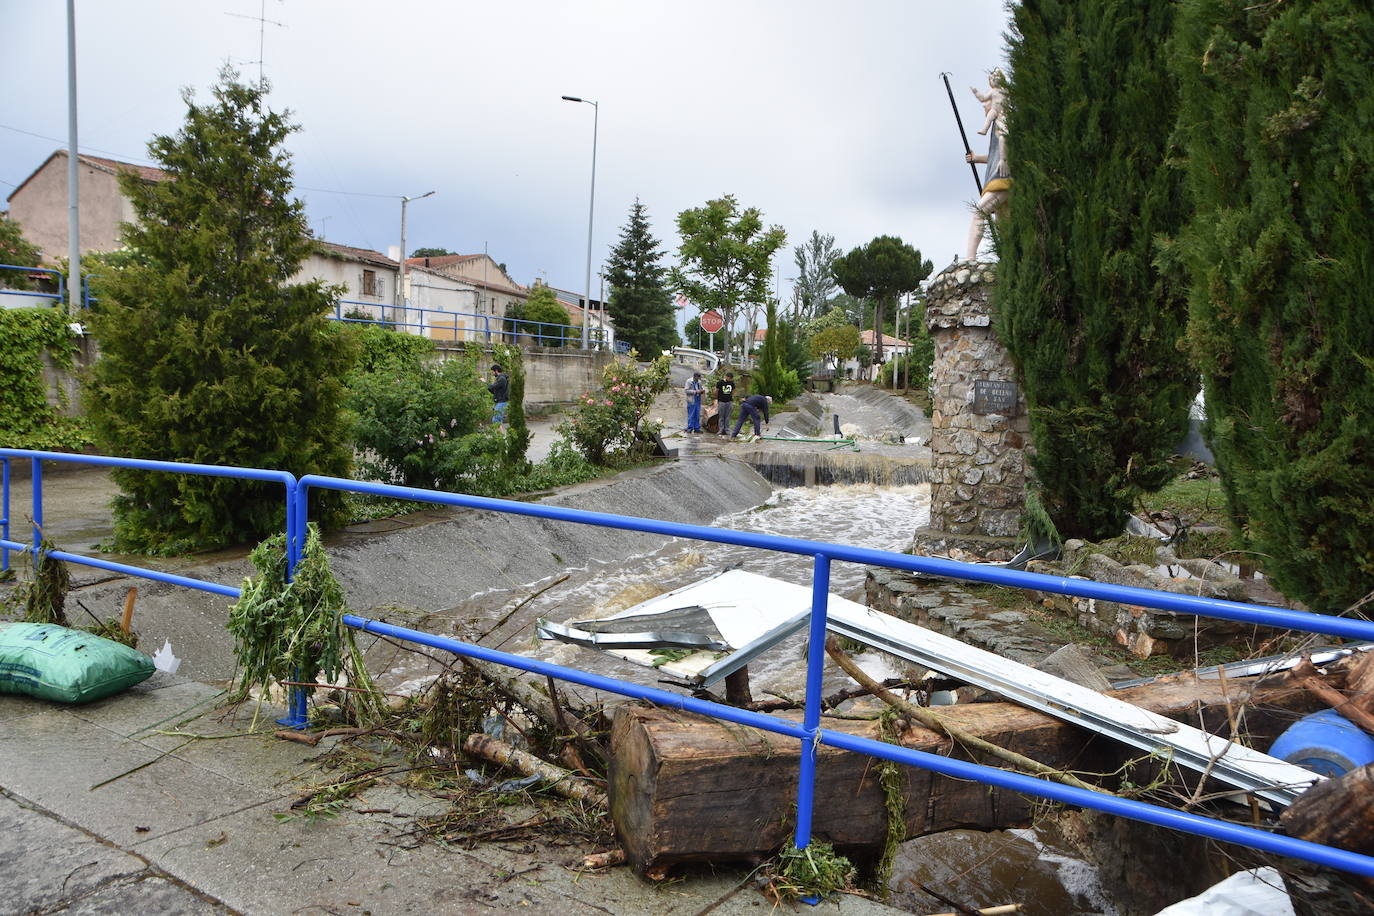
pixel 809 733
pixel 458 327
pixel 11 272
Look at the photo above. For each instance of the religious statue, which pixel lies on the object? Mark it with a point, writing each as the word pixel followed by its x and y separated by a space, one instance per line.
pixel 996 179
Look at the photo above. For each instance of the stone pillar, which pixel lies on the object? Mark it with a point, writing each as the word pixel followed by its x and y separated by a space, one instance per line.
pixel 979 426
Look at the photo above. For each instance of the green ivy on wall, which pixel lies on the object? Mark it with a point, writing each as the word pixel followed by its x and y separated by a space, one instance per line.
pixel 27 420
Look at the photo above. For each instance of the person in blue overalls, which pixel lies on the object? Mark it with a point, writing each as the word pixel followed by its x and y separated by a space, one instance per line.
pixel 695 389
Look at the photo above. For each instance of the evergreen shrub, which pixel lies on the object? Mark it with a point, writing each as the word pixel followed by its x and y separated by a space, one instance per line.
pixel 1278 122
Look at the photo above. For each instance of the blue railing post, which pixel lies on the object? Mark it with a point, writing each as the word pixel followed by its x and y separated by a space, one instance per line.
pixel 5 512
pixel 815 668
pixel 297 714
pixel 37 494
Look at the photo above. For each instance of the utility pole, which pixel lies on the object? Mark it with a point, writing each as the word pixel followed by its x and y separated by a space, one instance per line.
pixel 400 297
pixel 74 296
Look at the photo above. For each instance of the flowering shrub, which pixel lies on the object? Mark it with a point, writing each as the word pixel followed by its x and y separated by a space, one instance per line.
pixel 613 422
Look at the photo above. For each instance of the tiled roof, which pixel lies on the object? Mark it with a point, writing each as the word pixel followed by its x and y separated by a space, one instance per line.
pixel 110 166
pixel 365 255
pixel 888 340
pixel 441 261
pixel 146 172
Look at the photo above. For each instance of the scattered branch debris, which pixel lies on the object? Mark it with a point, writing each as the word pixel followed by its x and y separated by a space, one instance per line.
pixel 559 780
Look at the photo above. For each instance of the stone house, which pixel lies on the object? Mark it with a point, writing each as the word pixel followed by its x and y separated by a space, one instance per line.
pixel 368 277
pixel 39 204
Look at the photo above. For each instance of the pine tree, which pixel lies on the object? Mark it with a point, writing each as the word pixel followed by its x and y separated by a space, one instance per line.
pixel 882 271
pixel 815 281
pixel 1278 122
pixel 208 355
pixel 641 305
pixel 1088 300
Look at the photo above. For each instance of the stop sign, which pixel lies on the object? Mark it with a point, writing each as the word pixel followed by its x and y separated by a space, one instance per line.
pixel 711 322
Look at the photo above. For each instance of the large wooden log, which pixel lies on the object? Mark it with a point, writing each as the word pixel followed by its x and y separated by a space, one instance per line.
pixel 687 788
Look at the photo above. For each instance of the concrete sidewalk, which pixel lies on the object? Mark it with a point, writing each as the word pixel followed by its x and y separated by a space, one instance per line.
pixel 115 807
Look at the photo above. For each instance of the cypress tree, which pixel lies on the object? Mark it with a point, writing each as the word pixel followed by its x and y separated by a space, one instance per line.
pixel 208 355
pixel 641 305
pixel 1090 301
pixel 1278 121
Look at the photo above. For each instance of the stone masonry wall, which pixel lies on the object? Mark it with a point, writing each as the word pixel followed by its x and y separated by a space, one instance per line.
pixel 978 468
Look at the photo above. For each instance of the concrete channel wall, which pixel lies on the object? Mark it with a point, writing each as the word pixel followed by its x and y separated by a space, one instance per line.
pixel 433 559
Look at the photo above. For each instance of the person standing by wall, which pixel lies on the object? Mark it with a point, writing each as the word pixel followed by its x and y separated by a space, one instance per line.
pixel 695 389
pixel 749 409
pixel 725 402
pixel 500 393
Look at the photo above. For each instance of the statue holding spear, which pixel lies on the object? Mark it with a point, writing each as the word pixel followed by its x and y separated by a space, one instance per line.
pixel 993 189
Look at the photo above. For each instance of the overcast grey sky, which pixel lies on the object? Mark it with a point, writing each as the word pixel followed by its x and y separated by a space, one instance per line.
pixel 825 115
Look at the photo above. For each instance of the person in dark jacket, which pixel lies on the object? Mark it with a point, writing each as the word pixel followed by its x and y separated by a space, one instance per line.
pixel 749 409
pixel 500 393
pixel 725 398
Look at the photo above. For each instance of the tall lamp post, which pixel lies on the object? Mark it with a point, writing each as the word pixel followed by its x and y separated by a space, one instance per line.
pixel 401 274
pixel 591 210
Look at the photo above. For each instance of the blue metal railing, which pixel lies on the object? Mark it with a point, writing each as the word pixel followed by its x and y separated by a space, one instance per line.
pixel 56 297
pixel 808 733
pixel 296 714
pixel 441 326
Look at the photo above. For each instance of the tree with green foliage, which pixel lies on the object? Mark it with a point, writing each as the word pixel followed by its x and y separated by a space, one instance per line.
pixel 835 344
pixel 815 280
pixel 1090 301
pixel 16 251
pixel 545 318
pixel 640 305
pixel 694 335
pixel 433 253
pixel 835 318
pixel 1278 123
pixel 725 257
pixel 771 374
pixel 425 424
pixel 208 354
pixel 882 271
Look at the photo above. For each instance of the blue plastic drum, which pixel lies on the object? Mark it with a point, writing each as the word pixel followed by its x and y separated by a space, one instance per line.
pixel 1325 742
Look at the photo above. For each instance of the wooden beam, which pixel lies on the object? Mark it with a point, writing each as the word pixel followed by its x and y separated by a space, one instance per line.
pixel 686 788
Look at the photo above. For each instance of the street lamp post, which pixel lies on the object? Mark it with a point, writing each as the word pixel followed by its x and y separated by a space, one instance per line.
pixel 400 297
pixel 591 210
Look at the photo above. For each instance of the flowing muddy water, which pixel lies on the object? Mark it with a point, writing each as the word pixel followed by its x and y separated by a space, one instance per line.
pixel 981 869
pixel 861 515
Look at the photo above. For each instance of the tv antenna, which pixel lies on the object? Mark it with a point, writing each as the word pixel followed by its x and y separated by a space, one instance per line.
pixel 263 22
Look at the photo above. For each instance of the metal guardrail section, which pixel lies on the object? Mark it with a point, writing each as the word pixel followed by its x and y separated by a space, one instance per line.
pixel 1267 777
pixel 808 733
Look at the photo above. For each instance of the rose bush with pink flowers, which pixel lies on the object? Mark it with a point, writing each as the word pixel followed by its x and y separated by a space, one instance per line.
pixel 613 423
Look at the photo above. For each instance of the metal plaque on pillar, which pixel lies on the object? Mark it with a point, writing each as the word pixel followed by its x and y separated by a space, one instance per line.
pixel 994 396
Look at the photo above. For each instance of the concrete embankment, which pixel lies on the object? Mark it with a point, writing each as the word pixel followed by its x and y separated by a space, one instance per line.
pixel 435 558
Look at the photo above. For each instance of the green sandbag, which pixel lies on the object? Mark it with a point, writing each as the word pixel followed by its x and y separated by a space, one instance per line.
pixel 69 666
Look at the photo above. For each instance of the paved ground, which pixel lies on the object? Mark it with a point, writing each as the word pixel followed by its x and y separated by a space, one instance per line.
pixel 146 802
pixel 117 807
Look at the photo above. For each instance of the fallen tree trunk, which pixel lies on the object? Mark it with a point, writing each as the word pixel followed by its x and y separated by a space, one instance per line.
pixel 686 788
